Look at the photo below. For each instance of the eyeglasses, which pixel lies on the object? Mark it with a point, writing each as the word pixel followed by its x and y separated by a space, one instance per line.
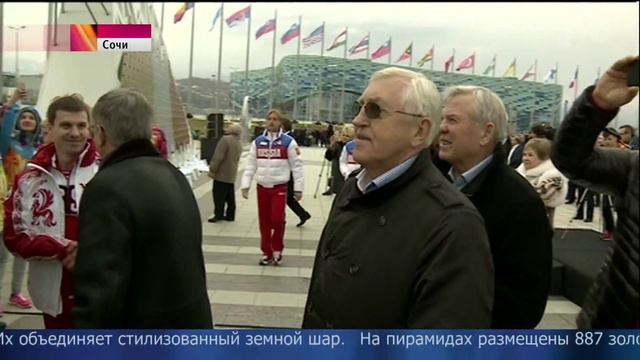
pixel 373 110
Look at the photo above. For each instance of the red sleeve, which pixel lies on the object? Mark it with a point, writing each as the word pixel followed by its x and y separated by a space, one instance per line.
pixel 27 245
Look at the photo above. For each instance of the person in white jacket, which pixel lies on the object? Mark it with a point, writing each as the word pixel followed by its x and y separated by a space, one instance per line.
pixel 347 163
pixel 273 156
pixel 538 169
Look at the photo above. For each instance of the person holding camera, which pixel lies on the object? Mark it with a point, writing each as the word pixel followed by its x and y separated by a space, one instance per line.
pixel 612 301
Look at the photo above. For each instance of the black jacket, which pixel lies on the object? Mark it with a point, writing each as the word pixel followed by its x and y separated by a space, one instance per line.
pixel 613 301
pixel 140 262
pixel 520 238
pixel 412 254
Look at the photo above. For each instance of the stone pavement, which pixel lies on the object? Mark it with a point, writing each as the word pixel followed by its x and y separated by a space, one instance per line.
pixel 246 295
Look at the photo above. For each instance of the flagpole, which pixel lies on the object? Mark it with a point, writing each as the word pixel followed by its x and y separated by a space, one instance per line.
pixel 295 99
pixel 217 92
pixel 162 19
pixel 535 70
pixel 575 90
pixel 433 55
pixel 556 77
pixel 473 69
pixel 324 65
pixel 273 56
pixel 246 65
pixel 322 42
pixel 411 55
pixel 344 70
pixel 453 61
pixel 493 72
pixel 597 75
pixel 368 45
pixel 193 22
pixel 390 50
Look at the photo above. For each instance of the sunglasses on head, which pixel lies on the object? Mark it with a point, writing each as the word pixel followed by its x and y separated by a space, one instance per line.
pixel 373 110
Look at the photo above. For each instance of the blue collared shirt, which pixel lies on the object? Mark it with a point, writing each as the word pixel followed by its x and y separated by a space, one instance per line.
pixel 461 181
pixel 385 178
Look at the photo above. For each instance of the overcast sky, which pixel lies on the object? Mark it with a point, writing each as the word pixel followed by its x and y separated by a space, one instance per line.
pixel 588 35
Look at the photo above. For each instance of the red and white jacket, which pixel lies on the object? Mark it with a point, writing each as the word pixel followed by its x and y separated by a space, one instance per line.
pixel 41 216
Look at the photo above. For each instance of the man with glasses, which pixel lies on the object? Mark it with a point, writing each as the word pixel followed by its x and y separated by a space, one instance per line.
pixel 41 215
pixel 401 247
pixel 474 124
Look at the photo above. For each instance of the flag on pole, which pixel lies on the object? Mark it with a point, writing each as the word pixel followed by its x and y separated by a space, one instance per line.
pixel 340 40
pixel 467 63
pixel 511 70
pixel 427 57
pixel 181 11
pixel 216 17
pixel 574 80
pixel 383 50
pixel 529 73
pixel 292 33
pixel 239 17
pixel 315 37
pixel 551 76
pixel 406 54
pixel 448 64
pixel 360 47
pixel 268 27
pixel 491 67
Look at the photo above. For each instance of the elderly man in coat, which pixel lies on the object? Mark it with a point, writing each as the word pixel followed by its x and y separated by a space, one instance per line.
pixel 474 124
pixel 401 247
pixel 140 262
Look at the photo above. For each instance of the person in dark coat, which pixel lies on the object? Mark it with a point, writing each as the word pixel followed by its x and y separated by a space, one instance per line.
pixel 140 264
pixel 401 247
pixel 471 133
pixel 292 203
pixel 614 299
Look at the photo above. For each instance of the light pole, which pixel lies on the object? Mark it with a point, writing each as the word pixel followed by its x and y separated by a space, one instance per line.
pixel 17 30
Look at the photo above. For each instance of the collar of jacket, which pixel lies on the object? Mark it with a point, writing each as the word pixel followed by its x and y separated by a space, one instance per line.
pixel 498 161
pixel 44 156
pixel 423 160
pixel 131 149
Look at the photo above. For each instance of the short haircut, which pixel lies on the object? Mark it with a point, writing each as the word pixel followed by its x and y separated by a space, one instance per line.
pixel 542 147
pixel 543 130
pixel 420 95
pixel 234 129
pixel 286 123
pixel 124 114
pixel 632 131
pixel 487 107
pixel 72 103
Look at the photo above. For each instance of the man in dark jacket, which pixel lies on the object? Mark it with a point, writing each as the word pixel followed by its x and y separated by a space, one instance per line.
pixel 401 247
pixel 474 124
pixel 614 300
pixel 140 264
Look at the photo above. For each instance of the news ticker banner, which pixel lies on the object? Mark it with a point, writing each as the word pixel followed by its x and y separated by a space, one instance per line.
pixel 313 344
pixel 83 38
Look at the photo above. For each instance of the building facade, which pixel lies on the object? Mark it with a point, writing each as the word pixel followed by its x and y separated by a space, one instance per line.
pixel 310 87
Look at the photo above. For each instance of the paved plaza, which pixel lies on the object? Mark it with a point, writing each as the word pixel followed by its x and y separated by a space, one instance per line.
pixel 246 295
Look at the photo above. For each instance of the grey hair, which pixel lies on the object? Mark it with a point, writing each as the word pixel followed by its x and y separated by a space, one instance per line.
pixel 487 107
pixel 420 95
pixel 125 115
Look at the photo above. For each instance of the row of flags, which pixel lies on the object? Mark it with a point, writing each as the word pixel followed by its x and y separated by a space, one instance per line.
pixel 317 35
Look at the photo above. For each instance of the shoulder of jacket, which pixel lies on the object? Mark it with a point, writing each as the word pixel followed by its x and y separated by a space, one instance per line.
pixel 443 192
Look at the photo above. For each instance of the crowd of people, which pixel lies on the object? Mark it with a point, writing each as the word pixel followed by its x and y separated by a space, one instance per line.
pixel 440 219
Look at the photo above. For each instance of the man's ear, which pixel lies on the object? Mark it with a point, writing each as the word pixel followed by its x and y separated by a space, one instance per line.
pixel 488 133
pixel 422 132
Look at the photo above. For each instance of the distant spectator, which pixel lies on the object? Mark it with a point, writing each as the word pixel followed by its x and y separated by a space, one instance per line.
pixel 160 142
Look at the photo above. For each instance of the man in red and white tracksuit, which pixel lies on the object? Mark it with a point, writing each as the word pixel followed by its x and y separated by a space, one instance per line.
pixel 41 215
pixel 272 157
